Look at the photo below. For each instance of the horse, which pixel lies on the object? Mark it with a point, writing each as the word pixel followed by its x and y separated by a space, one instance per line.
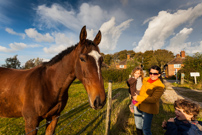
pixel 42 92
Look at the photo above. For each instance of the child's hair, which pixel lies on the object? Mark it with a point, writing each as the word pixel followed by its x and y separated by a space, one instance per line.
pixel 188 107
pixel 141 72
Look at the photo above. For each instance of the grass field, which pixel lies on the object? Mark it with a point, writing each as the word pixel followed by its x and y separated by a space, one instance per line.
pixel 79 119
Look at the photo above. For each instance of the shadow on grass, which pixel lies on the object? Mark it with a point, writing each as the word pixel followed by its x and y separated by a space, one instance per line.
pixel 73 113
pixel 102 115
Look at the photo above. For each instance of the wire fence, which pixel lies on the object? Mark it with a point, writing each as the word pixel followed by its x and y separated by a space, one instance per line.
pixel 66 120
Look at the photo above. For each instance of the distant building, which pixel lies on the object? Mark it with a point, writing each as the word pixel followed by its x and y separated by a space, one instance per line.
pixel 175 65
pixel 123 64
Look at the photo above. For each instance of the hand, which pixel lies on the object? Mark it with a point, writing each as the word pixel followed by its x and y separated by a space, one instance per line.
pixel 171 120
pixel 164 123
pixel 135 97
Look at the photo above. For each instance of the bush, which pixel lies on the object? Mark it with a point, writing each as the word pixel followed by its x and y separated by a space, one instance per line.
pixel 192 64
pixel 117 75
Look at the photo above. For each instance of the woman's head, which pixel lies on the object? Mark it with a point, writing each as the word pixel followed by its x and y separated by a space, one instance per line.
pixel 155 72
pixel 137 72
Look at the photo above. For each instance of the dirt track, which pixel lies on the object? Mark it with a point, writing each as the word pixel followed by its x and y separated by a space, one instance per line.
pixel 172 93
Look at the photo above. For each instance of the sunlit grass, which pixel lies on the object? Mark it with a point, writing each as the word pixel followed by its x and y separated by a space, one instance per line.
pixel 79 119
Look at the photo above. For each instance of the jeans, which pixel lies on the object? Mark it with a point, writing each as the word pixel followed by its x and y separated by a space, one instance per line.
pixel 143 121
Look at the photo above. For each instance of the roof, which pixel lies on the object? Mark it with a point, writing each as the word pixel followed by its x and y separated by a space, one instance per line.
pixel 124 62
pixel 177 60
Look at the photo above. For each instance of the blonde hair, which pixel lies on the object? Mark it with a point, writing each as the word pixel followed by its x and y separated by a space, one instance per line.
pixel 136 69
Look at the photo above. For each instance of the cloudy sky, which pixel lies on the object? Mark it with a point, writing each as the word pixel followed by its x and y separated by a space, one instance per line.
pixel 43 28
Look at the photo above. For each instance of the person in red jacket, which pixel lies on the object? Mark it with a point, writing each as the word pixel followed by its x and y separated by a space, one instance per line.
pixel 148 100
pixel 134 84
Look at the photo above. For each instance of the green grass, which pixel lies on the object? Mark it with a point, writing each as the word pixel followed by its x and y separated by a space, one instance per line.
pixel 189 85
pixel 85 121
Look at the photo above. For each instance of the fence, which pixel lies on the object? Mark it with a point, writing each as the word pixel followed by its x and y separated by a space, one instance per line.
pixel 102 116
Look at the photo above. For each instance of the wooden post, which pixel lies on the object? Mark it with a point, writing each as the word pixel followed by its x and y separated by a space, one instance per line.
pixel 195 80
pixel 182 78
pixel 109 103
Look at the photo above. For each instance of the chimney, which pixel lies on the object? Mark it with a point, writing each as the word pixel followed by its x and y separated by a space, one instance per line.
pixel 128 56
pixel 182 54
pixel 178 55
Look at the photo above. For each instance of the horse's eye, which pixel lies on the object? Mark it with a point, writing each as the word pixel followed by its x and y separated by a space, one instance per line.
pixel 82 59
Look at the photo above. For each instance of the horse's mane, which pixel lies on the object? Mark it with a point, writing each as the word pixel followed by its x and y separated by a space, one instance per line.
pixel 64 53
pixel 59 56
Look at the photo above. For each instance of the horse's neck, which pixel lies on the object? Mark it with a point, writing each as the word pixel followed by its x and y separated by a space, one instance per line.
pixel 62 73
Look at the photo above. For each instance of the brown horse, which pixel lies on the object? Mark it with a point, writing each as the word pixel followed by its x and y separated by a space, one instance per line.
pixel 42 92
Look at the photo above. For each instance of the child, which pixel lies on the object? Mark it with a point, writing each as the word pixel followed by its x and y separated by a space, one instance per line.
pixel 135 83
pixel 185 122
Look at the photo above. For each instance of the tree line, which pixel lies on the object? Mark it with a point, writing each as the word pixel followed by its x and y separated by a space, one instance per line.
pixel 13 62
pixel 158 57
pixel 151 57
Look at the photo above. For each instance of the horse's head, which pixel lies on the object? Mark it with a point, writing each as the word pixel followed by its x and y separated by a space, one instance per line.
pixel 88 69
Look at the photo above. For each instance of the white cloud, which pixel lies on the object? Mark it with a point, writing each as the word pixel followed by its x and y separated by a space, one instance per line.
pixel 177 43
pixel 111 34
pixel 90 15
pixel 61 43
pixel 163 26
pixel 11 31
pixel 32 33
pixel 13 47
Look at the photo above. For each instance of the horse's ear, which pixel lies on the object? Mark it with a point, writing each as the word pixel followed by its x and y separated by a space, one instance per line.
pixel 98 38
pixel 83 34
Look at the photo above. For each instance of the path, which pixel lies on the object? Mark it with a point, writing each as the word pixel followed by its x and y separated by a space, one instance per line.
pixel 172 93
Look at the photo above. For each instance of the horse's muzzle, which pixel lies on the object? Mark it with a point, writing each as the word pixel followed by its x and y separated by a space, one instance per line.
pixel 97 103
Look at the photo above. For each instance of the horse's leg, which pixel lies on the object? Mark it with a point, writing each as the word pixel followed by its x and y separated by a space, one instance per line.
pixel 30 125
pixel 50 128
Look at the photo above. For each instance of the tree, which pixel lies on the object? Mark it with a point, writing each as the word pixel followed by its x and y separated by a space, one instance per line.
pixel 162 57
pixel 122 55
pixel 107 59
pixel 149 59
pixel 192 64
pixel 12 63
pixel 131 53
pixel 32 63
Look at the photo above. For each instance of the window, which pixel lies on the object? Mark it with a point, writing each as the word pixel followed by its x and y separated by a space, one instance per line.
pixel 121 66
pixel 177 65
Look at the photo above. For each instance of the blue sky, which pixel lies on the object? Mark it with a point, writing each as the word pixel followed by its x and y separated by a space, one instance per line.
pixel 43 28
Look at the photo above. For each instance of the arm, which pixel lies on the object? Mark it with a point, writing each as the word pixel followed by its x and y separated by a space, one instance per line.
pixel 157 93
pixel 131 81
pixel 171 129
pixel 132 86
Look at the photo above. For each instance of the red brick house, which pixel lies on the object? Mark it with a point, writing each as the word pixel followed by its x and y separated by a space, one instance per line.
pixel 175 65
pixel 123 64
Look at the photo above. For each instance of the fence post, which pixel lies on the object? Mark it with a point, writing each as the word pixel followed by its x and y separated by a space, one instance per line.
pixel 109 103
pixel 182 78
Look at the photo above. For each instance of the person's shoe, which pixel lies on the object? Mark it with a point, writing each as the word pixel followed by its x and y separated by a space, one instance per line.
pixel 139 131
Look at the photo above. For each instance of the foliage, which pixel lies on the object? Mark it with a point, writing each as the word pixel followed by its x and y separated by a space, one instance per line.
pixel 117 75
pixel 158 57
pixel 107 59
pixel 32 63
pixel 192 64
pixel 12 63
pixel 163 57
